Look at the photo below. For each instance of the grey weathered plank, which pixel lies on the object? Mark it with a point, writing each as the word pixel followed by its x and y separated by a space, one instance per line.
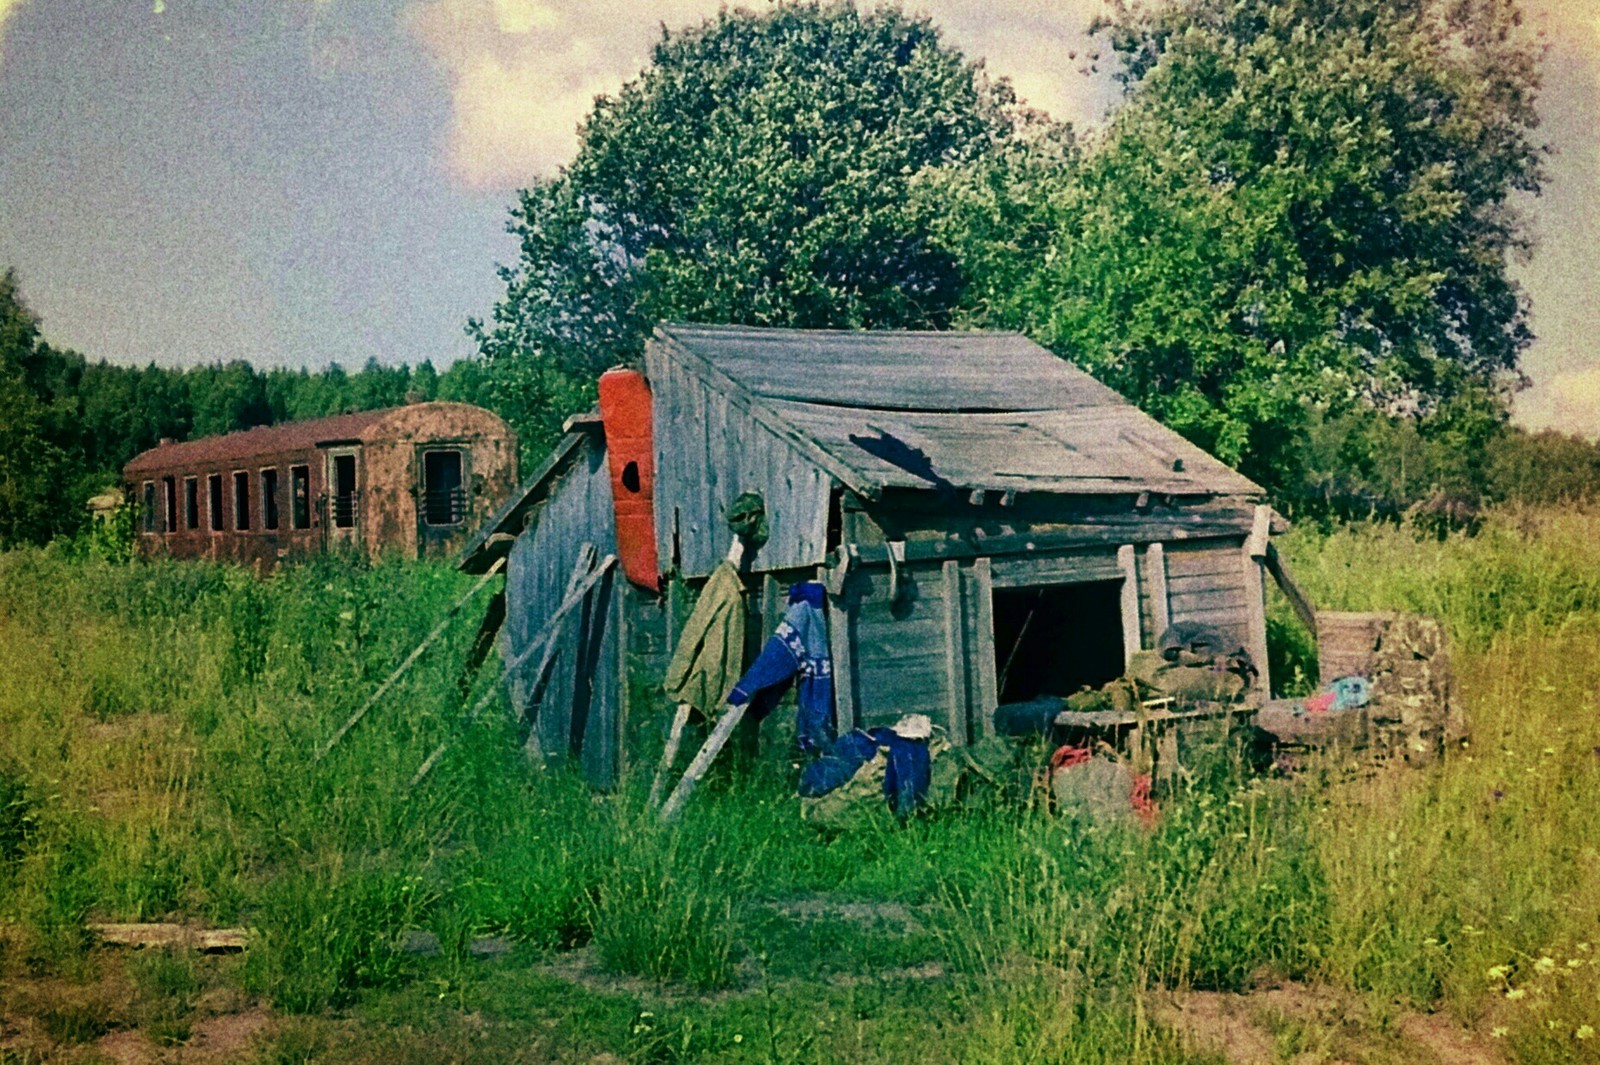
pixel 1130 601
pixel 957 660
pixel 1155 565
pixel 982 651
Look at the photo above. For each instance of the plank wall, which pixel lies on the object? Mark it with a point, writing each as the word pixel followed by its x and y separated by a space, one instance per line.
pixel 708 451
pixel 581 706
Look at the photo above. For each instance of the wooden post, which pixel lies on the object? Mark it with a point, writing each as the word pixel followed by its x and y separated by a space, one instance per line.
pixel 680 720
pixel 1130 602
pixel 955 654
pixel 1255 594
pixel 410 660
pixel 1155 571
pixel 983 603
pixel 702 761
pixel 841 633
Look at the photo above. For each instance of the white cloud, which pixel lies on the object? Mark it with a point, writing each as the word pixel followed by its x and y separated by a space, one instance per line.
pixel 1569 402
pixel 523 73
pixel 7 9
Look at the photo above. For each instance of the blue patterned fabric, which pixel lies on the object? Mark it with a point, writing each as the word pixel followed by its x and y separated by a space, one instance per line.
pixel 796 653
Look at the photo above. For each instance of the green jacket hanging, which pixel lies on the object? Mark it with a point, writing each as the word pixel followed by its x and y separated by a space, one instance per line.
pixel 710 652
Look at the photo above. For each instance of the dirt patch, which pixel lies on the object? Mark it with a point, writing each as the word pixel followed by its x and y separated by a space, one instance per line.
pixel 895 916
pixel 1302 1024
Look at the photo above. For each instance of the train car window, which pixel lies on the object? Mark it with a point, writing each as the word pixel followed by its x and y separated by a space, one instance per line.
pixel 191 503
pixel 345 501
pixel 241 501
pixel 444 500
pixel 214 493
pixel 269 499
pixel 169 504
pixel 300 497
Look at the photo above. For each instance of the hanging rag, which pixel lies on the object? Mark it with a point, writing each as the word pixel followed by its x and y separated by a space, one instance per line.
pixel 706 661
pixel 798 648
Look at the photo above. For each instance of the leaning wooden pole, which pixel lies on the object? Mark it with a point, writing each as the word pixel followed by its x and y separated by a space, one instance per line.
pixel 545 636
pixel 410 660
pixel 702 761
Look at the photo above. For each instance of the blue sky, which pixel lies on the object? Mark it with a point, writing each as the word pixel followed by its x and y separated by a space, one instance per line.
pixel 295 182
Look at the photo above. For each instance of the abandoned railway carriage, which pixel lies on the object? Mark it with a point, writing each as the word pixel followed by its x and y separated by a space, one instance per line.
pixel 991 524
pixel 408 480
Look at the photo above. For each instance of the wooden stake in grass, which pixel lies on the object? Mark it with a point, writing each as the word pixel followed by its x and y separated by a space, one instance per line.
pixel 410 660
pixel 702 761
pixel 545 636
pixel 680 719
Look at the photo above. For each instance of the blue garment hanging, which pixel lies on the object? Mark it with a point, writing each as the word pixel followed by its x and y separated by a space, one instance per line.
pixel 798 648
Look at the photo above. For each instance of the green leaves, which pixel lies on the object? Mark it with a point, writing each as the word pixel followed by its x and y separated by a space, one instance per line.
pixel 1301 206
pixel 759 171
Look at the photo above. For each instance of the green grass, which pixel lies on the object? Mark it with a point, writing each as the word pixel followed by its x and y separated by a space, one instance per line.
pixel 155 765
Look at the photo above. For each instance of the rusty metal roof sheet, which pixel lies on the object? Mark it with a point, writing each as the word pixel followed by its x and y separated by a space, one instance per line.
pixel 249 443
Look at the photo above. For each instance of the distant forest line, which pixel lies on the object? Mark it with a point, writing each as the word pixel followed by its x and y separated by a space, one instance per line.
pixel 1290 241
pixel 68 424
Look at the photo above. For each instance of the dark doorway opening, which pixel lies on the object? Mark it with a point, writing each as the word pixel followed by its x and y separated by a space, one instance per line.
pixel 344 491
pixel 1056 639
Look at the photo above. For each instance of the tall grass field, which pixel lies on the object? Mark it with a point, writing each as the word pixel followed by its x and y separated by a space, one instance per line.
pixel 157 729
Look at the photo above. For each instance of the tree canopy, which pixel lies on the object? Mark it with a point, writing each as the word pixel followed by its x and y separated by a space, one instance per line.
pixel 1301 205
pixel 758 171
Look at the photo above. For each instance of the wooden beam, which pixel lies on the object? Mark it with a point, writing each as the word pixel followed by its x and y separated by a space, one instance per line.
pixel 1130 602
pixel 841 637
pixel 410 660
pixel 1260 530
pixel 955 654
pixel 1155 569
pixel 544 638
pixel 1255 606
pixel 982 577
pixel 1291 591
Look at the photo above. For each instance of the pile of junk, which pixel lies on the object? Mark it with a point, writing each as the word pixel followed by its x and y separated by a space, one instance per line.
pixel 1108 754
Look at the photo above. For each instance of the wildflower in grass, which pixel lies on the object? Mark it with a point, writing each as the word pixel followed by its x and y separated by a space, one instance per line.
pixel 1584 1032
pixel 1498 972
pixel 1545 964
pixel 1499 1032
pixel 1515 993
pixel 1574 963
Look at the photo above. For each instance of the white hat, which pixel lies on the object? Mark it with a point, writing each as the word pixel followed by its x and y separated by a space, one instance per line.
pixel 914 727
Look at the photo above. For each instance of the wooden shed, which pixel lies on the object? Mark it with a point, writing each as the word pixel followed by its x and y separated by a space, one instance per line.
pixel 992 523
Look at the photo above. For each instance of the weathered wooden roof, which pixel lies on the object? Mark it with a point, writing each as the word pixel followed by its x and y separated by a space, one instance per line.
pixel 969 410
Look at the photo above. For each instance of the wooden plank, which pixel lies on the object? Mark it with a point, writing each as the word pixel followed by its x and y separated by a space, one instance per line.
pixel 1255 637
pixel 1260 529
pixel 841 640
pixel 955 655
pixel 1130 602
pixel 162 934
pixel 411 659
pixel 1291 591
pixel 546 635
pixel 1155 567
pixel 982 653
pixel 1030 570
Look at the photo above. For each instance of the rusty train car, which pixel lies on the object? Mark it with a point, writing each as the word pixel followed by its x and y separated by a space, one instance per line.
pixel 407 480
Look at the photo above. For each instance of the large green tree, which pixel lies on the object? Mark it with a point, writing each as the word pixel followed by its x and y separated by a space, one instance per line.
pixel 1301 206
pixel 758 171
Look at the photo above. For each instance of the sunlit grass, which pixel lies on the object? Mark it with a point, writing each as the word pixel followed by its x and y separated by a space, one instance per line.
pixel 155 765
